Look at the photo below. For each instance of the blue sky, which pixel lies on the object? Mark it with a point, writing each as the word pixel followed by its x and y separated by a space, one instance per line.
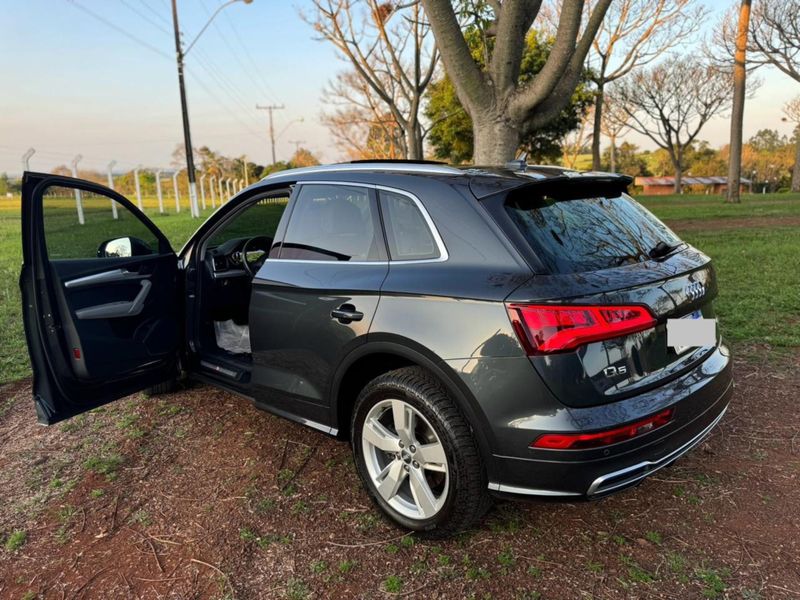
pixel 72 84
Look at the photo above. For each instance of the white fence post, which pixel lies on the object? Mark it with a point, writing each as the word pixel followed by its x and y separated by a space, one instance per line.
pixel 114 212
pixel 138 187
pixel 203 190
pixel 211 185
pixel 221 200
pixel 78 197
pixel 228 189
pixel 175 187
pixel 158 192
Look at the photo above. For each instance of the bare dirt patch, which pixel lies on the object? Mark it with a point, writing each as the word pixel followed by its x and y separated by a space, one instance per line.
pixel 200 495
pixel 683 225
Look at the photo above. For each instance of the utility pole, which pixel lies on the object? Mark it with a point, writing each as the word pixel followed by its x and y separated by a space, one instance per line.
pixel 270 108
pixel 187 135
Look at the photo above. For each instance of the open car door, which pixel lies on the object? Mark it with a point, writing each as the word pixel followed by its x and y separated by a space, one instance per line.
pixel 101 296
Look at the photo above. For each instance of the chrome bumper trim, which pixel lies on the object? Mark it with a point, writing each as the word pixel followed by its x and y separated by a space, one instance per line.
pixel 644 469
pixel 510 489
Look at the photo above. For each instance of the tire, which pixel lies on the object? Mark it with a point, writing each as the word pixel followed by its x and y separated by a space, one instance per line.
pixel 166 387
pixel 395 472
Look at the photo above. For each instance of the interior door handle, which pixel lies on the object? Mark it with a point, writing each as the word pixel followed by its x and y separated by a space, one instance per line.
pixel 105 277
pixel 346 313
pixel 114 310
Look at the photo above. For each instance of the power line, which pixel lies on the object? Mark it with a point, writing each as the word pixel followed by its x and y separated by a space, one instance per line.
pixel 253 80
pixel 222 104
pixel 225 85
pixel 160 16
pixel 145 17
pixel 119 29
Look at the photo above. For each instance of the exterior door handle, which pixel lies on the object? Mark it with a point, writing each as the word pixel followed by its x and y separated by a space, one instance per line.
pixel 346 313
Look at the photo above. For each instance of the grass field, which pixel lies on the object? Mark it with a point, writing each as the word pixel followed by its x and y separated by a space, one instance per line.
pixel 757 263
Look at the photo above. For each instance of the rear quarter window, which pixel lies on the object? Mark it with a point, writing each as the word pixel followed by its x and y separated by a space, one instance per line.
pixel 574 235
pixel 407 233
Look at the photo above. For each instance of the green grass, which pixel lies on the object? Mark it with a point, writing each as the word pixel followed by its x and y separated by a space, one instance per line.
pixel 759 299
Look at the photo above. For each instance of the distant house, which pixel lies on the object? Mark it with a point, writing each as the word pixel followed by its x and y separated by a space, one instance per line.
pixel 662 186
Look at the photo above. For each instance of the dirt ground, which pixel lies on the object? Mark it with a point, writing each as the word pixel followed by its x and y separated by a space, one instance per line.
pixel 200 495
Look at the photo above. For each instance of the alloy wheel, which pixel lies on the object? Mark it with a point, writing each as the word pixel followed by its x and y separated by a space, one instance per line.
pixel 405 459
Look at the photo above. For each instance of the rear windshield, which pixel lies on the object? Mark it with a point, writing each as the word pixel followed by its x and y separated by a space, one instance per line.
pixel 587 234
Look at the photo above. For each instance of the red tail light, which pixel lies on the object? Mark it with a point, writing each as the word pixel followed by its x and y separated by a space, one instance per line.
pixel 582 441
pixel 544 329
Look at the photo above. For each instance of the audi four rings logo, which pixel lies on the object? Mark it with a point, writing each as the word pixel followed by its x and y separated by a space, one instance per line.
pixel 695 290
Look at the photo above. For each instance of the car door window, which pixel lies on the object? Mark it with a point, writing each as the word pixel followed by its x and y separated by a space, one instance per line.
pixel 407 233
pixel 258 219
pixel 334 223
pixel 106 232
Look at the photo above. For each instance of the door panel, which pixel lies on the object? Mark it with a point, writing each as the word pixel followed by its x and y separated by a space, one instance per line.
pixel 307 314
pixel 100 296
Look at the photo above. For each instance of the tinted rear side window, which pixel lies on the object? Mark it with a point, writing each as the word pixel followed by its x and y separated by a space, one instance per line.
pixel 336 223
pixel 407 232
pixel 587 234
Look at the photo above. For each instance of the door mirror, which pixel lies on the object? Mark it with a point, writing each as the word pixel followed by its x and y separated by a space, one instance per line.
pixel 123 247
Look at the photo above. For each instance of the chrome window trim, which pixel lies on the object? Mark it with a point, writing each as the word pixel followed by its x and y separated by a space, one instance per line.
pixel 437 238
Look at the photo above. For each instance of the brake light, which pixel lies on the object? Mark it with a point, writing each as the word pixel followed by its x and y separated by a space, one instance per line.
pixel 544 329
pixel 582 441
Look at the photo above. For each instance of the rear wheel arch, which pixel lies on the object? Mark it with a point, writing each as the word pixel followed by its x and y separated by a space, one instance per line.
pixel 376 358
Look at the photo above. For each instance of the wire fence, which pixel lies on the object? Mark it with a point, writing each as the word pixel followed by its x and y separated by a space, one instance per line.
pixel 152 190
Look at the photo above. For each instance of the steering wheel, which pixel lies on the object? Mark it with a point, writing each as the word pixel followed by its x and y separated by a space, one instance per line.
pixel 260 242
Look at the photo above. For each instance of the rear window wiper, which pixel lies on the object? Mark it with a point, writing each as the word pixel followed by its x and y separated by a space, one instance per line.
pixel 662 249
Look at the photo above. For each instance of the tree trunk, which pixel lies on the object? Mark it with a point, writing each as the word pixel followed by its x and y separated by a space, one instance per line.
pixel 737 112
pixel 597 130
pixel 414 142
pixel 796 170
pixel 678 189
pixel 496 141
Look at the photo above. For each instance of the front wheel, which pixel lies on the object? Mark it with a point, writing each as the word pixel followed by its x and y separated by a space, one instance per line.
pixel 416 455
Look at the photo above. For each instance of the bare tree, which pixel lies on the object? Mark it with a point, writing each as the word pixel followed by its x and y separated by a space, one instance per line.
pixel 361 124
pixel 792 111
pixel 576 142
pixel 671 103
pixel 389 46
pixel 775 41
pixel 615 121
pixel 633 34
pixel 503 109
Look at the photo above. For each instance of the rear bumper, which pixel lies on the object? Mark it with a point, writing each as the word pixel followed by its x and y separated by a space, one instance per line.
pixel 593 474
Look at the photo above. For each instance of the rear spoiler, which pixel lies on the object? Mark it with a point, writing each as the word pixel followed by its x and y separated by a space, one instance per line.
pixel 570 184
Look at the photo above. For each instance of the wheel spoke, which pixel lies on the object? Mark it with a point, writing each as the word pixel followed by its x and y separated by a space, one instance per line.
pixel 403 416
pixel 423 495
pixel 380 437
pixel 391 479
pixel 432 457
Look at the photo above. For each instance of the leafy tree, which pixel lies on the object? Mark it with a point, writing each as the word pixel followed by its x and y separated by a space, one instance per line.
pixel 303 158
pixel 4 188
pixel 451 133
pixel 629 161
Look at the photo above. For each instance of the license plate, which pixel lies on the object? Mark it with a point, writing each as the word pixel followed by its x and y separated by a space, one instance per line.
pixel 703 333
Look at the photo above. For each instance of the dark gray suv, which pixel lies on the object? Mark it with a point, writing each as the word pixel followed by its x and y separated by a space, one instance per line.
pixel 473 332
